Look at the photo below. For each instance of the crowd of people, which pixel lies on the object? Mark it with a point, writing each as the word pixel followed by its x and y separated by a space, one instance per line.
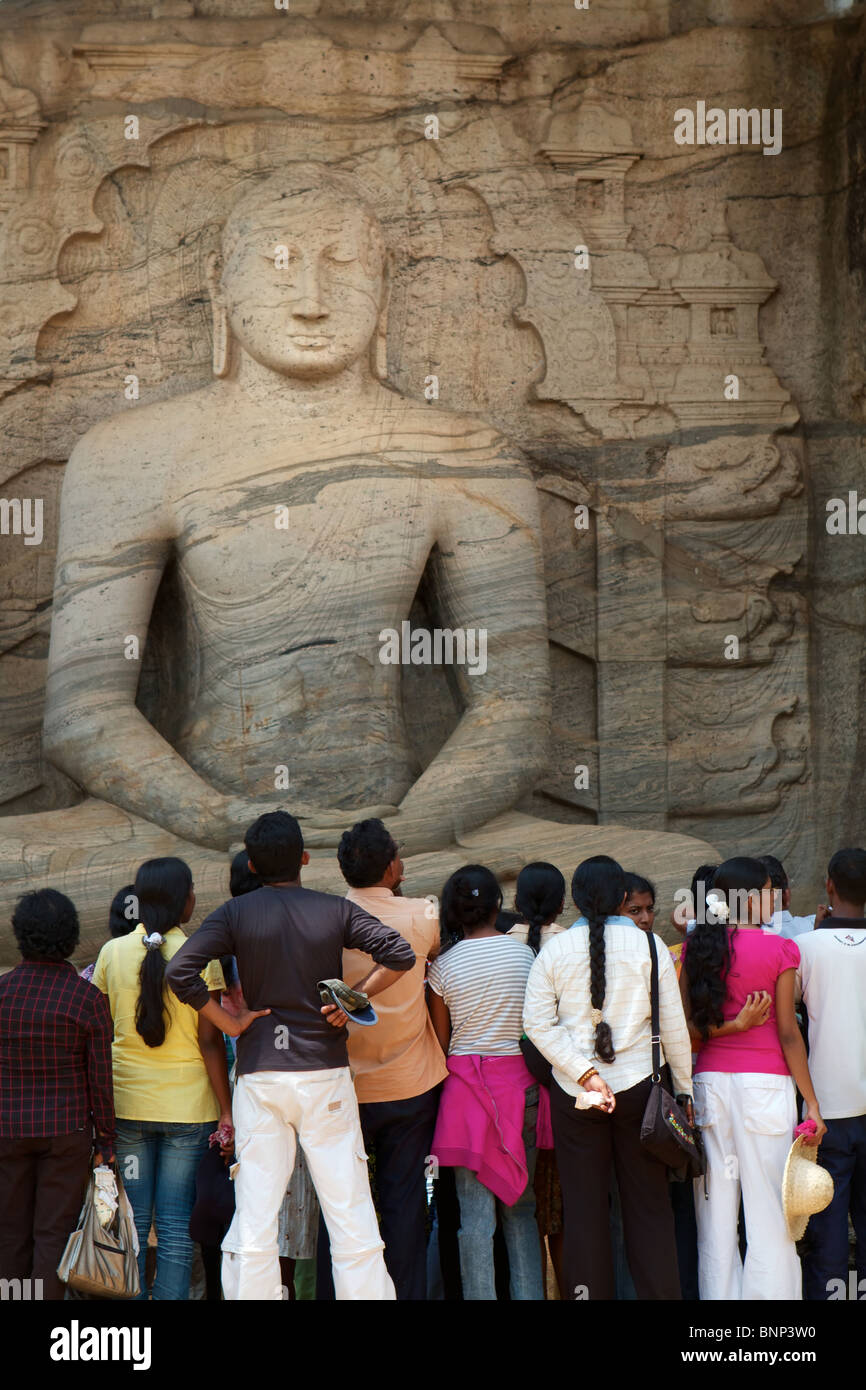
pixel 475 1130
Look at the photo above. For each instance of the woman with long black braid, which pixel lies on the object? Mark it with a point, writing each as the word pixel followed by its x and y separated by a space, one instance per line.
pixel 539 897
pixel 171 1086
pixel 587 1010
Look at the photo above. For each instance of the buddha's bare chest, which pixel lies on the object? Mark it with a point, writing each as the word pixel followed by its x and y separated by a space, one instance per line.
pixel 342 528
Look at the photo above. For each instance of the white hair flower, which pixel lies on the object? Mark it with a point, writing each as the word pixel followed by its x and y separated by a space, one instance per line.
pixel 717 906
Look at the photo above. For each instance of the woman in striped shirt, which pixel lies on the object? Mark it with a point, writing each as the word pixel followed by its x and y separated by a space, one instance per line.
pixel 487 1115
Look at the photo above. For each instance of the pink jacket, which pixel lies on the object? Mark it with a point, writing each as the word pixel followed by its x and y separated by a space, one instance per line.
pixel 480 1122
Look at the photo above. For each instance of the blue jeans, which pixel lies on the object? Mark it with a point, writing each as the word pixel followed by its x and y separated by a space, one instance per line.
pixel 478 1212
pixel 843 1153
pixel 157 1161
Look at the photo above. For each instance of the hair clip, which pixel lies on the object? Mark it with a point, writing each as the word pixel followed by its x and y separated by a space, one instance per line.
pixel 474 892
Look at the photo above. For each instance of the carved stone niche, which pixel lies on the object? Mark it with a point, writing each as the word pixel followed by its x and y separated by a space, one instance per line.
pixel 597 145
pixel 594 145
pixel 725 376
pixel 594 142
pixel 687 347
pixel 19 128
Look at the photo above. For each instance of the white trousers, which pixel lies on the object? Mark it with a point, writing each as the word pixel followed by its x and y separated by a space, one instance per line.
pixel 748 1123
pixel 273 1111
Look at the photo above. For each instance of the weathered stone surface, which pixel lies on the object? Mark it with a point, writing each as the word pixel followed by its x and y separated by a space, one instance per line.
pixel 582 487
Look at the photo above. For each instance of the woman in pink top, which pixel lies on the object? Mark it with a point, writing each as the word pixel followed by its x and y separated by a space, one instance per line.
pixel 738 993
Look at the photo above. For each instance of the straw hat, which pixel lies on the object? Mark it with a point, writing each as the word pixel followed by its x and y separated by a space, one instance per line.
pixel 355 1003
pixel 806 1187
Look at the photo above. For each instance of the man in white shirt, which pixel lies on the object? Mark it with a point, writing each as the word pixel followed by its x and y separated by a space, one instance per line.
pixel 832 982
pixel 784 923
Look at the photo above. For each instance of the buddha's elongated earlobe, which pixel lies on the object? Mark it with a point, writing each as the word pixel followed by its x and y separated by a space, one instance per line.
pixel 221 343
pixel 380 341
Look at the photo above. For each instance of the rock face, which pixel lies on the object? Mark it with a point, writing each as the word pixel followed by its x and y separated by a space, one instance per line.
pixel 366 327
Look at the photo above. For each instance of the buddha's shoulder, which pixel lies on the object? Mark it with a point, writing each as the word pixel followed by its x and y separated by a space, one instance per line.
pixel 148 430
pixel 433 429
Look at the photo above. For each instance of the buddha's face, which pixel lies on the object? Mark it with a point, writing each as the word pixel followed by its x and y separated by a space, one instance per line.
pixel 302 283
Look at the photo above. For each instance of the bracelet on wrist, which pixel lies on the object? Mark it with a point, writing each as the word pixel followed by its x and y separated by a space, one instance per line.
pixel 582 1080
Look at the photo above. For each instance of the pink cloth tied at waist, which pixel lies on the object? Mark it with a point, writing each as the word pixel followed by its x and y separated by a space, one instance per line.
pixel 480 1122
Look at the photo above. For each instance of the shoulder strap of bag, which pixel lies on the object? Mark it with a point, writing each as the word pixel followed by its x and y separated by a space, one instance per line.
pixel 654 1009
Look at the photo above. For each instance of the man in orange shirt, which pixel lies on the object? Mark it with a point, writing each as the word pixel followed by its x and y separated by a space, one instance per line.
pixel 397 1065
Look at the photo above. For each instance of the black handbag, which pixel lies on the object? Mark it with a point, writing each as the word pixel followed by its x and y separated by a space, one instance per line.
pixel 536 1062
pixel 665 1131
pixel 214 1206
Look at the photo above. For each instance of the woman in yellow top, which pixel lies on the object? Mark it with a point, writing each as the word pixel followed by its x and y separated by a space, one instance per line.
pixel 171 1085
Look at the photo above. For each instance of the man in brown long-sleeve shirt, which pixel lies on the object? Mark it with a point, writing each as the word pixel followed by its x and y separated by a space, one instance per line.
pixel 294 1084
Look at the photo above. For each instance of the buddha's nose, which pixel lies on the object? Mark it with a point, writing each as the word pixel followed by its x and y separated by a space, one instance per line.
pixel 309 303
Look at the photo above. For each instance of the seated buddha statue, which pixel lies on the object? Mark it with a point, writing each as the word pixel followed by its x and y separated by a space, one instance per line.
pixel 300 500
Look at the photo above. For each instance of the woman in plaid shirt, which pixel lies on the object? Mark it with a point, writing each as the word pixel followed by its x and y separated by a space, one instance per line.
pixel 56 1096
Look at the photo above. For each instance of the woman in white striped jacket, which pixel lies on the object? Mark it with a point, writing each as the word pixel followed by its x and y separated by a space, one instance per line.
pixel 587 1009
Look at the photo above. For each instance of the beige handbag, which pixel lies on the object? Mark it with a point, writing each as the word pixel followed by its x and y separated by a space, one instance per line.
pixel 102 1261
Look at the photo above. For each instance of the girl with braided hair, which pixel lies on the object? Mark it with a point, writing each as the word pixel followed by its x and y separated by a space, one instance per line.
pixel 539 897
pixel 588 1011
